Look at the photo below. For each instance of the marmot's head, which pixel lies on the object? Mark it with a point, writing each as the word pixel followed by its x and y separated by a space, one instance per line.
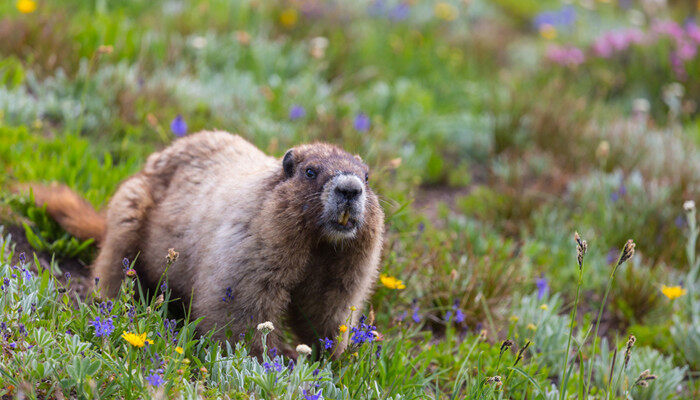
pixel 331 188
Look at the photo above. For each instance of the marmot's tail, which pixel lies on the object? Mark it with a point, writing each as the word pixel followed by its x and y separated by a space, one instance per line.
pixel 72 212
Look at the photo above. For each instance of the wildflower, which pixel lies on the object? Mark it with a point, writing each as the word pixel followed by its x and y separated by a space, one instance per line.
pixel 445 11
pixel 97 280
pixel 199 42
pixel 363 332
pixel 309 396
pixel 26 6
pixel 179 350
pixel 448 316
pixel 22 330
pixel 548 31
pixel 154 379
pixel 106 307
pixel 266 327
pixel 391 282
pixel 131 272
pixel 125 263
pixel 400 11
pixel 531 327
pixel 544 307
pixel 514 318
pixel 242 37
pixel 67 275
pixel 627 252
pixel 673 292
pixel 415 316
pixel 303 350
pixel 27 274
pixel 178 126
pixel 296 112
pixel 353 308
pixel 568 56
pixel 327 343
pixel 317 47
pixel 459 316
pixel 564 17
pixel 542 287
pixel 378 353
pixel 22 257
pixel 362 122
pixel 289 17
pixel 689 206
pixel 229 295
pixel 136 340
pixel 103 327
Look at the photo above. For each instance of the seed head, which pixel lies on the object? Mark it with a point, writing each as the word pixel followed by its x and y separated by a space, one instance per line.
pixel 303 350
pixel 520 353
pixel 496 379
pixel 172 256
pixel 627 252
pixel 266 327
pixel 644 378
pixel 581 249
pixel 506 345
pixel 689 206
pixel 628 350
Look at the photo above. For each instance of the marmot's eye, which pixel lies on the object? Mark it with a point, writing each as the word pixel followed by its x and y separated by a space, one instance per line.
pixel 310 173
pixel 366 177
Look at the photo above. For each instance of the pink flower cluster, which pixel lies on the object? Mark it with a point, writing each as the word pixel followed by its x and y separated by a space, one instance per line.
pixel 617 41
pixel 570 56
pixel 685 41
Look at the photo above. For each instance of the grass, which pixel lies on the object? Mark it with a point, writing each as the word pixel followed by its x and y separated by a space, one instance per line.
pixel 488 153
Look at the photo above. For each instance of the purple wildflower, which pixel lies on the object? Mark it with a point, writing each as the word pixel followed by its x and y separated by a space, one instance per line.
pixel 378 353
pixel 362 122
pixel 103 327
pixel 309 396
pixel 564 17
pixel 296 112
pixel 67 275
pixel 327 343
pixel 106 307
pixel 400 11
pixel 542 287
pixel 154 379
pixel 459 315
pixel 178 126
pixel 415 316
pixel 22 257
pixel 125 263
pixel 568 56
pixel 97 280
pixel 363 332
pixel 448 316
pixel 22 330
pixel 228 297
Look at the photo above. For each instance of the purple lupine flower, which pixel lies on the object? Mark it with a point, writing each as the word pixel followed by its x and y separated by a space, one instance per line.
pixel 103 327
pixel 363 332
pixel 125 263
pixel 67 275
pixel 178 126
pixel 296 112
pixel 564 17
pixel 228 297
pixel 362 122
pixel 402 316
pixel 154 379
pixel 400 11
pixel 106 307
pixel 309 396
pixel 542 287
pixel 415 316
pixel 378 353
pixel 22 257
pixel 459 315
pixel 448 316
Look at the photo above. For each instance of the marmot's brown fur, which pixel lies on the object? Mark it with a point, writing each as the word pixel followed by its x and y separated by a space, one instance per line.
pixel 295 240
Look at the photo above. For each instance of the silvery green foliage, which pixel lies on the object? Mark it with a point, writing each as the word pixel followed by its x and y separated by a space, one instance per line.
pixel 666 386
pixel 552 330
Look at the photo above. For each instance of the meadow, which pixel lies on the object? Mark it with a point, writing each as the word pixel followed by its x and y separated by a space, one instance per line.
pixel 537 162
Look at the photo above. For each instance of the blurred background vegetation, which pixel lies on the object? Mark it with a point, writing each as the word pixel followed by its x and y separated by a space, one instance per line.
pixel 494 130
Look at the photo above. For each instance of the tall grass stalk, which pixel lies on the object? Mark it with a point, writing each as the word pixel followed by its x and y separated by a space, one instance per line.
pixel 581 250
pixel 626 254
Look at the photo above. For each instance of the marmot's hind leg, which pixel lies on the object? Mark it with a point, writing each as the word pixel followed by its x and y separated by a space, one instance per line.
pixel 126 214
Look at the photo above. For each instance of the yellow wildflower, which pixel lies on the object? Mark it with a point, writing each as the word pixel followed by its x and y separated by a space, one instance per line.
pixel 673 292
pixel 531 327
pixel 26 6
pixel 391 282
pixel 136 340
pixel 355 354
pixel 289 17
pixel 343 328
pixel 514 318
pixel 179 350
pixel 544 307
pixel 446 11
pixel 353 308
pixel 548 31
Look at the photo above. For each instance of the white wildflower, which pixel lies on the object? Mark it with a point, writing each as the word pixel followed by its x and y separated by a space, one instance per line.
pixel 303 350
pixel 266 326
pixel 689 206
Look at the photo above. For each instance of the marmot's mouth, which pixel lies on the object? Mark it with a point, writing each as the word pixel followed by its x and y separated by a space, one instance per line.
pixel 344 223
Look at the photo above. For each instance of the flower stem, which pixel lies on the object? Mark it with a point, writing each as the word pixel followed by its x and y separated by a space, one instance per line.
pixel 565 376
pixel 597 325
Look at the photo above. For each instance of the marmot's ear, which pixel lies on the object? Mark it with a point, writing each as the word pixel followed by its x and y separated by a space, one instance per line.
pixel 288 163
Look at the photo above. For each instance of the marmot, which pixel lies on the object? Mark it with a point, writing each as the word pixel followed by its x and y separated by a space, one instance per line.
pixel 260 239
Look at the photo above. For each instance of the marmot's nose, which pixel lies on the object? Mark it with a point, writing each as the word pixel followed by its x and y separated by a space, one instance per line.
pixel 348 189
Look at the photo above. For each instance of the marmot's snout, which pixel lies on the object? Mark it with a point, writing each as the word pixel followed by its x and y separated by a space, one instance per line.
pixel 344 208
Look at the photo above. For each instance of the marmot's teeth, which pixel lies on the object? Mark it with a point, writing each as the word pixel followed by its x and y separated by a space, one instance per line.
pixel 343 218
